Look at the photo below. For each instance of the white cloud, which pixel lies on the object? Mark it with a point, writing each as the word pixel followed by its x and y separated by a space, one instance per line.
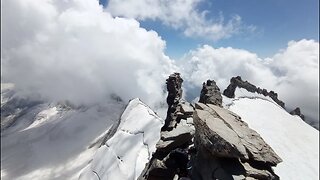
pixel 292 72
pixel 179 14
pixel 76 51
pixel 72 50
pixel 297 69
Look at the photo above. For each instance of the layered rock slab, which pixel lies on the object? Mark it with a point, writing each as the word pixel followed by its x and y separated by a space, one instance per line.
pixel 221 135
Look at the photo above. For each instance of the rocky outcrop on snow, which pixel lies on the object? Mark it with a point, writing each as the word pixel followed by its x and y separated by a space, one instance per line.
pixel 210 142
pixel 297 112
pixel 172 156
pixel 221 136
pixel 174 95
pixel 210 93
pixel 173 149
pixel 238 82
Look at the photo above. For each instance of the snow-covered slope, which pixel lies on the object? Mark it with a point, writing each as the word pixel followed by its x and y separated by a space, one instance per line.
pixel 296 142
pixel 125 154
pixel 41 140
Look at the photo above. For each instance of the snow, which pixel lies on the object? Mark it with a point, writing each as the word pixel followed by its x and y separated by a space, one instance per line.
pixel 296 142
pixel 53 142
pixel 125 155
pixel 42 117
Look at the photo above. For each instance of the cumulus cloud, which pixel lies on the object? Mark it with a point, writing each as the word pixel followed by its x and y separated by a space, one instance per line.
pixel 181 15
pixel 73 50
pixel 297 70
pixel 292 72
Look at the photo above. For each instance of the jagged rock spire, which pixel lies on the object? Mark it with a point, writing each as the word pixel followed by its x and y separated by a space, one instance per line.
pixel 210 93
pixel 297 112
pixel 174 83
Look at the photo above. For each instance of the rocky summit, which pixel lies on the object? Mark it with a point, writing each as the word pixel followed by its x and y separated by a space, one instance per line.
pixel 206 141
pixel 210 93
pixel 238 82
pixel 174 95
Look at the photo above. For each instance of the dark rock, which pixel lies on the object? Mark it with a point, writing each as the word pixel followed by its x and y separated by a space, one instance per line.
pixel 238 82
pixel 174 83
pixel 297 112
pixel 210 93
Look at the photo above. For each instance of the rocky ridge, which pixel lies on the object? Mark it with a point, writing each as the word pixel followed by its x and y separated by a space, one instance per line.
pixel 206 141
pixel 238 82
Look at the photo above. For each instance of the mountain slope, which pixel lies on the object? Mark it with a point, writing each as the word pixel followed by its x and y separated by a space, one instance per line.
pixel 125 154
pixel 50 140
pixel 296 142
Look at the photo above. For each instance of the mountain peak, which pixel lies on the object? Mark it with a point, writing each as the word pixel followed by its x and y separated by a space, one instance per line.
pixel 210 93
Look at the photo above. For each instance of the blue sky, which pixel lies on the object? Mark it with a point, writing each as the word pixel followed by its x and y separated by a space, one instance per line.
pixel 276 23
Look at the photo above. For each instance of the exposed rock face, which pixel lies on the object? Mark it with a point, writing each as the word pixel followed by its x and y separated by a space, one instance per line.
pixel 238 82
pixel 172 155
pixel 210 93
pixel 297 112
pixel 220 135
pixel 174 95
pixel 208 142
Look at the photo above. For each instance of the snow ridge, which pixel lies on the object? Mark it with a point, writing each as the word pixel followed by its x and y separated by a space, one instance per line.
pixel 125 154
pixel 297 144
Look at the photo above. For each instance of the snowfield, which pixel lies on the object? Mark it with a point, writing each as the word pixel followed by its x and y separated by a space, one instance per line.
pixel 50 141
pixel 296 142
pixel 126 153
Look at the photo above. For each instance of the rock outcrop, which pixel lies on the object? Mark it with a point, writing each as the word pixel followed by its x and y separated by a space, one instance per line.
pixel 206 141
pixel 221 136
pixel 174 83
pixel 297 112
pixel 172 155
pixel 210 93
pixel 238 82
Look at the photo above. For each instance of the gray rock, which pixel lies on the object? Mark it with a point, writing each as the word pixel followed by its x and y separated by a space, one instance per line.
pixel 213 134
pixel 186 108
pixel 210 93
pixel 176 132
pixel 238 82
pixel 190 121
pixel 261 174
pixel 256 148
pixel 297 112
pixel 175 138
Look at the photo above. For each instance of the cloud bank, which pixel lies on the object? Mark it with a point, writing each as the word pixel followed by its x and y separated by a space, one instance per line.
pixel 182 15
pixel 293 72
pixel 73 50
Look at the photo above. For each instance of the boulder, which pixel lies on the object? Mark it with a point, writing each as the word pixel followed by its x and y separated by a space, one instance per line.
pixel 175 138
pixel 256 148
